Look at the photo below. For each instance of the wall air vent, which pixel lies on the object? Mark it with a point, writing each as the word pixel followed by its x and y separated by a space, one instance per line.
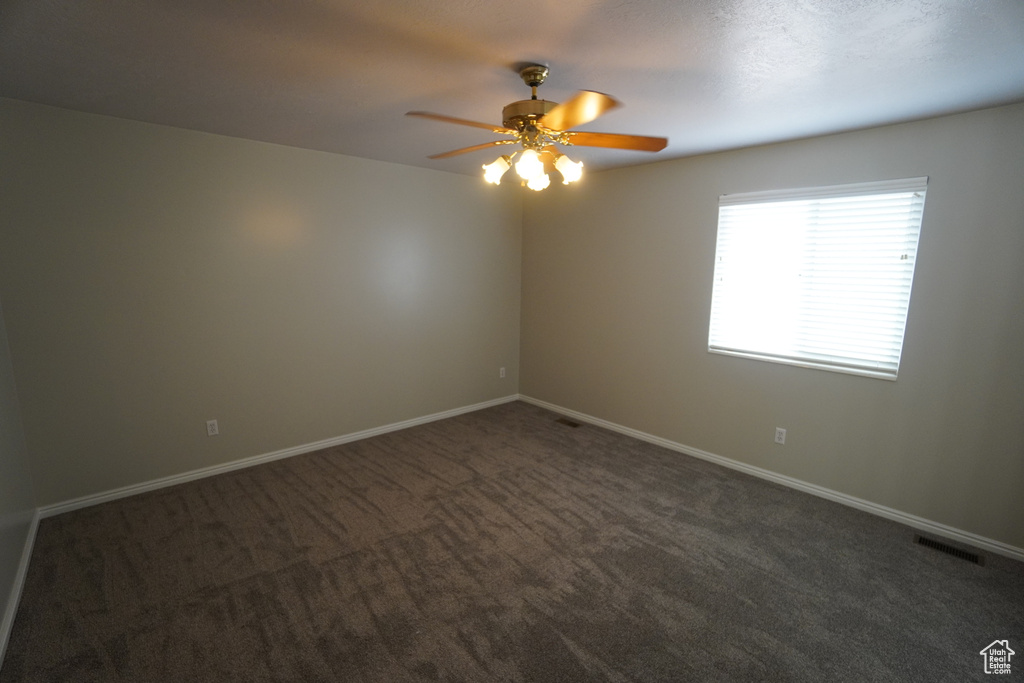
pixel 976 558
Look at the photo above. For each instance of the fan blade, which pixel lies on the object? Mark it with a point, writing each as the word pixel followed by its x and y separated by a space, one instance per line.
pixel 583 107
pixel 642 143
pixel 464 150
pixel 461 122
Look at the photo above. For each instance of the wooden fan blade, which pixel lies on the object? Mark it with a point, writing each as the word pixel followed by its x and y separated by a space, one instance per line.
pixel 461 122
pixel 464 150
pixel 583 107
pixel 642 143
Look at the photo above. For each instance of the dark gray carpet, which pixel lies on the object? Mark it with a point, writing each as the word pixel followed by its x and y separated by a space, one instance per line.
pixel 500 546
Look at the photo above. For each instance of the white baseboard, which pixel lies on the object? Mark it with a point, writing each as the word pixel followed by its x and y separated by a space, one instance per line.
pixel 19 583
pixel 133 489
pixel 910 520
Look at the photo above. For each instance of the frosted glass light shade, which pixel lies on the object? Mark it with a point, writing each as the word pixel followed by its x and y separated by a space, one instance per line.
pixel 571 170
pixel 494 170
pixel 538 182
pixel 529 165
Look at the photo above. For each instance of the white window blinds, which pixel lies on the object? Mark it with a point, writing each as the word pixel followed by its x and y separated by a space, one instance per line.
pixel 817 277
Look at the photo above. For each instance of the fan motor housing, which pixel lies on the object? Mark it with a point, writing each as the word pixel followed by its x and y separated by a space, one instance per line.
pixel 518 114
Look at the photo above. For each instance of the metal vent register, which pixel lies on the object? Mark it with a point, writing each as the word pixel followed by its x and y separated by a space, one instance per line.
pixel 976 558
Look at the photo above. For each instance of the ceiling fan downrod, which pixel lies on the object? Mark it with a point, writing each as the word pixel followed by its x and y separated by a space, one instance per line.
pixel 524 113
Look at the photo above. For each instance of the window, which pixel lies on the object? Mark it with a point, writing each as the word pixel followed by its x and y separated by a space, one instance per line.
pixel 817 277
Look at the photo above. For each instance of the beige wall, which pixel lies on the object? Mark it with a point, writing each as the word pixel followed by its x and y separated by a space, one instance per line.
pixel 616 295
pixel 154 278
pixel 17 499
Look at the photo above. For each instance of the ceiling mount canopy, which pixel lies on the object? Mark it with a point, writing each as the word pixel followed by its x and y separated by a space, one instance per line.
pixel 539 127
pixel 534 75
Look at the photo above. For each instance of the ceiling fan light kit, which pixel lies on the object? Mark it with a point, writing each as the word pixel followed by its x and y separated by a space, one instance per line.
pixel 537 126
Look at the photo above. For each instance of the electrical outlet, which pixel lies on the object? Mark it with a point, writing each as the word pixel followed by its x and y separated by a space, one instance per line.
pixel 211 428
pixel 501 373
pixel 780 435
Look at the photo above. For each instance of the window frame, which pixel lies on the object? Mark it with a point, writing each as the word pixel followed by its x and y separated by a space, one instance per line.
pixel 725 338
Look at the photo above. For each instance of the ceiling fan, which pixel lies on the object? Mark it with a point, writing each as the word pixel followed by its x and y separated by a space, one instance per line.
pixel 537 126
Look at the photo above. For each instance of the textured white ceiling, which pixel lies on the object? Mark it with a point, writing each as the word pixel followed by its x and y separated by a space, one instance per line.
pixel 338 75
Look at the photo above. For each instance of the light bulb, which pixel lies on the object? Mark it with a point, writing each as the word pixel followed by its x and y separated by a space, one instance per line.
pixel 571 170
pixel 538 182
pixel 494 170
pixel 529 165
